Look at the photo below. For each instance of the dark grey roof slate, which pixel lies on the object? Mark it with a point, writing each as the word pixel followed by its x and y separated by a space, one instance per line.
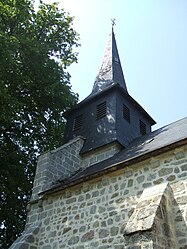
pixel 110 71
pixel 111 88
pixel 157 140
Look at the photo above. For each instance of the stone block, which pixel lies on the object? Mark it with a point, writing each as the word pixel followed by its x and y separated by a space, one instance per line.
pixel 153 214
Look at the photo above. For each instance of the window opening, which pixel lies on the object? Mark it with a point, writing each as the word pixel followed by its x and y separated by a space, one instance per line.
pixel 101 110
pixel 78 122
pixel 126 113
pixel 142 127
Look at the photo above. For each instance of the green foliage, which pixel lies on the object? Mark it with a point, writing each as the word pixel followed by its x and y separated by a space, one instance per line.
pixel 35 50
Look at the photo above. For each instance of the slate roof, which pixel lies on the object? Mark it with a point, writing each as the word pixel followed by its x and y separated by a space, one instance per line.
pixel 110 71
pixel 111 88
pixel 144 147
pixel 110 74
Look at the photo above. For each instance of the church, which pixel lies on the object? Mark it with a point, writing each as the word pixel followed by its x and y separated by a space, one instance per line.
pixel 114 183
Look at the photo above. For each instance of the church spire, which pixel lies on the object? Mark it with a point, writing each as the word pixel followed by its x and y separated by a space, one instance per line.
pixel 109 115
pixel 110 71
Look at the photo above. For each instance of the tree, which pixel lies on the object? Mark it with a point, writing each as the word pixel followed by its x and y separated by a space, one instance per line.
pixel 35 50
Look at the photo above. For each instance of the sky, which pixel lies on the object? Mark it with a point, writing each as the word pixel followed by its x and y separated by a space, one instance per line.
pixel 151 37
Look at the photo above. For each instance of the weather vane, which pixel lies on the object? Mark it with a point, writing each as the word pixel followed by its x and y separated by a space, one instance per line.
pixel 113 20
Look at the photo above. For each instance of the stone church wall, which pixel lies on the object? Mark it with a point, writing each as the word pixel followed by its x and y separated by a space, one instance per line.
pixel 97 213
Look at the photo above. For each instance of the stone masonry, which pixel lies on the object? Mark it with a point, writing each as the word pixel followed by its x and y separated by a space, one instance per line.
pixel 98 212
pixel 152 222
pixel 57 165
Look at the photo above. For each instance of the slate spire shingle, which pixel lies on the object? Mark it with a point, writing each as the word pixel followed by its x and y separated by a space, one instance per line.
pixel 110 71
pixel 109 114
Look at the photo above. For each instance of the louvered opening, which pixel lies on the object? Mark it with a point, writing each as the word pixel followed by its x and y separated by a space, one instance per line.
pixel 142 127
pixel 78 121
pixel 101 110
pixel 126 113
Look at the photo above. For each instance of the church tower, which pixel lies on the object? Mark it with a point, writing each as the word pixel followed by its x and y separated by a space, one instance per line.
pixel 109 114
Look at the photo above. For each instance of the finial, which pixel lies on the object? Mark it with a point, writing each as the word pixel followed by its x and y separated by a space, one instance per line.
pixel 113 22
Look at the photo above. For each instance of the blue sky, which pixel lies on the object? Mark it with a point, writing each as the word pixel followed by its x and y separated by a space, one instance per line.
pixel 151 37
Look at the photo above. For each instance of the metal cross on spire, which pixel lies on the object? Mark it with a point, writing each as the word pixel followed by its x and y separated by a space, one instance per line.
pixel 113 20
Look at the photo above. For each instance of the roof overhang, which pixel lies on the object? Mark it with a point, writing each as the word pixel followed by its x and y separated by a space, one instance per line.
pixel 111 88
pixel 114 167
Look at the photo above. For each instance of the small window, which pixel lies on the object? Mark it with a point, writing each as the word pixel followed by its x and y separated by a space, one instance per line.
pixel 142 127
pixel 78 121
pixel 126 113
pixel 101 110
